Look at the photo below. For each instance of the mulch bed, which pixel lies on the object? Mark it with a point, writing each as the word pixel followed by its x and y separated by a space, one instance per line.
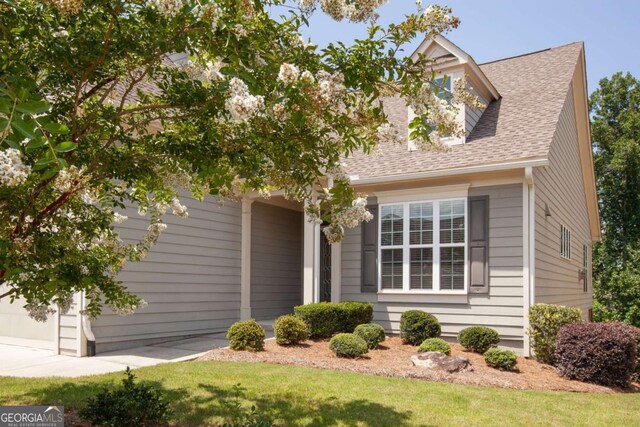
pixel 392 359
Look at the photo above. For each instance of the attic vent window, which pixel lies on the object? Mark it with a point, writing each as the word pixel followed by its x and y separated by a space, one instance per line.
pixel 565 242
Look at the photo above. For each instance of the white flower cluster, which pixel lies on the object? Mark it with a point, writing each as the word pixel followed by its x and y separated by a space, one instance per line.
pixel 126 309
pixel 313 212
pixel 354 10
pixel 66 7
pixel 13 171
pixel 118 218
pixel 168 8
pixel 210 13
pixel 64 303
pixel 288 73
pixel 67 179
pixel 240 31
pixel 463 95
pixel 38 311
pixel 388 133
pixel 211 71
pixel 240 103
pixel 280 112
pixel 331 85
pixel 154 231
pixel 337 173
pixel 179 209
pixel 438 19
pixel 307 77
pixel 334 232
pixel 355 214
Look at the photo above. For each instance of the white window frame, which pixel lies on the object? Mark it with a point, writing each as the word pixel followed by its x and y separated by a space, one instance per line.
pixel 565 242
pixel 436 245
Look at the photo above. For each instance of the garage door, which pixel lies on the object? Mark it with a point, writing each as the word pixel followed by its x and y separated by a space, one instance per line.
pixel 17 328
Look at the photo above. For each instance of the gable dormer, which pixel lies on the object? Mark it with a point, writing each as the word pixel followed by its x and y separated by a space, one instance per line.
pixel 451 61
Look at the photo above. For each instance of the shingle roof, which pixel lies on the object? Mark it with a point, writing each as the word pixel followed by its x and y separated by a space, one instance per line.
pixel 519 126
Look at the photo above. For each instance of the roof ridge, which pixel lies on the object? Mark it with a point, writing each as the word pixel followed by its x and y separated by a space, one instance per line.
pixel 529 53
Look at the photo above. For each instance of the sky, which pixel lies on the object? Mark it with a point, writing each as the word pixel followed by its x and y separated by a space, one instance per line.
pixel 495 29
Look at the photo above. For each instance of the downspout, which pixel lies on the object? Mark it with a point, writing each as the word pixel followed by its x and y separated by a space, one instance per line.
pixel 86 327
pixel 529 231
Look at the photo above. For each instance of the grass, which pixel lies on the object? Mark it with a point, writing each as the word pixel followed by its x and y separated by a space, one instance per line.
pixel 202 393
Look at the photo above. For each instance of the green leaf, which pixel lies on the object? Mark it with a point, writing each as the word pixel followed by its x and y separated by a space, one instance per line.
pixel 66 146
pixel 36 143
pixel 3 123
pixel 33 107
pixel 25 128
pixel 50 172
pixel 56 128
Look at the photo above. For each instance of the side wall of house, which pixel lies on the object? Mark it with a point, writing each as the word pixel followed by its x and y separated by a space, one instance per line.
pixel 559 187
pixel 501 309
pixel 276 270
pixel 190 279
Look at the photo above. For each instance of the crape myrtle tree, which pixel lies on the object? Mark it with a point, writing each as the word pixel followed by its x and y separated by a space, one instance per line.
pixel 615 127
pixel 97 113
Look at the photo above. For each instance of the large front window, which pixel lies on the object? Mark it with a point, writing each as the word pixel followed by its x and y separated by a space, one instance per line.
pixel 423 246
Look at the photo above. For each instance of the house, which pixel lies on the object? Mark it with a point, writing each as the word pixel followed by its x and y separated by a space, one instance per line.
pixel 474 235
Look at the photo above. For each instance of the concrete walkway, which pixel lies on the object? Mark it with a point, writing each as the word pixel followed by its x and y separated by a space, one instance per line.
pixel 28 362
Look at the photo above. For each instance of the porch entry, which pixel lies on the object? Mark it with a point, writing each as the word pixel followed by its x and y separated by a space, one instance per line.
pixel 324 291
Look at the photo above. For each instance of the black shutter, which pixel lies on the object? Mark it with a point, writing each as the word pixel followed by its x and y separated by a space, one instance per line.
pixel 369 274
pixel 479 245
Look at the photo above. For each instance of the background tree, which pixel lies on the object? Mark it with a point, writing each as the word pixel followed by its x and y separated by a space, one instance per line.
pixel 615 109
pixel 99 111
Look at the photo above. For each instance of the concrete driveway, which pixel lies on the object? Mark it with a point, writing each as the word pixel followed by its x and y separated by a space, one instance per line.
pixel 27 362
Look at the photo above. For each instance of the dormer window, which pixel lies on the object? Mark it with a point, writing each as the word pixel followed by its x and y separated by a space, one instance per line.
pixel 443 86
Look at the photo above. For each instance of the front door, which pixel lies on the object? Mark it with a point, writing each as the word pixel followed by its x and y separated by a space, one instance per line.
pixel 325 268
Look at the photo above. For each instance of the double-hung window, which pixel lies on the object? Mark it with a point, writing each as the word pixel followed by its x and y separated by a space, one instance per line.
pixel 423 246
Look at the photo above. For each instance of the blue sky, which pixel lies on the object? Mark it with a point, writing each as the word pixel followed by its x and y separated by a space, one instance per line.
pixel 494 29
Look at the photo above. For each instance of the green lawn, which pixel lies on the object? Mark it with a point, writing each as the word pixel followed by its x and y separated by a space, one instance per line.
pixel 202 391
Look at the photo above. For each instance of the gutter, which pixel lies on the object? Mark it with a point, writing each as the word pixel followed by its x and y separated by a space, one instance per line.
pixel 451 172
pixel 86 327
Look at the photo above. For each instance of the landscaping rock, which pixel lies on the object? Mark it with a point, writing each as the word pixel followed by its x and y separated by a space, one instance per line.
pixel 435 360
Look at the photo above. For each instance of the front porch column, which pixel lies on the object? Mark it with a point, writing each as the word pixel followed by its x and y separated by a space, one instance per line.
pixel 245 261
pixel 309 260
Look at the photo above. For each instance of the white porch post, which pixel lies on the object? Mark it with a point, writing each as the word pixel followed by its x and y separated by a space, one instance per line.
pixel 336 271
pixel 308 272
pixel 245 261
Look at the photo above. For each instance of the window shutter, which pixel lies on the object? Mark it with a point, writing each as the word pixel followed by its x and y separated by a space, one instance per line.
pixel 369 274
pixel 479 245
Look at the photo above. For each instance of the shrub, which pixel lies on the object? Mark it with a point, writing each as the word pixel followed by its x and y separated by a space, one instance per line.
pixel 435 344
pixel 325 319
pixel 132 404
pixel 371 333
pixel 504 360
pixel 636 331
pixel 348 345
pixel 417 325
pixel 601 353
pixel 478 338
pixel 545 320
pixel 290 330
pixel 246 335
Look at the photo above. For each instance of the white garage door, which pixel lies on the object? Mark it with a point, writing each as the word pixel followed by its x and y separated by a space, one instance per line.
pixel 17 328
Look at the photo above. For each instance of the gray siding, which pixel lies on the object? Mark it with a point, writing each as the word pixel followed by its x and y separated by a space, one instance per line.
pixel 276 269
pixel 560 186
pixel 472 116
pixel 191 278
pixel 69 331
pixel 501 309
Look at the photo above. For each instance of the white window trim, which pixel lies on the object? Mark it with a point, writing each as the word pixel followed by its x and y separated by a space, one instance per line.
pixel 406 259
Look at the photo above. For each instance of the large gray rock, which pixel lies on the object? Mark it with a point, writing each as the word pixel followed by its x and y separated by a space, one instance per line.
pixel 435 360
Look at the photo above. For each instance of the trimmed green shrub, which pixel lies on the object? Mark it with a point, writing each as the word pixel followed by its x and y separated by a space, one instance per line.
pixel 132 404
pixel 478 338
pixel 545 320
pixel 325 319
pixel 246 335
pixel 290 329
pixel 601 353
pixel 348 345
pixel 435 344
pixel 498 358
pixel 417 325
pixel 372 333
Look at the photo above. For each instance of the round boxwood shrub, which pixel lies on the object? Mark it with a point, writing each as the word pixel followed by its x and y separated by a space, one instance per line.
pixel 504 360
pixel 372 333
pixel 601 353
pixel 324 319
pixel 417 325
pixel 290 330
pixel 246 335
pixel 348 345
pixel 545 320
pixel 435 344
pixel 478 338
